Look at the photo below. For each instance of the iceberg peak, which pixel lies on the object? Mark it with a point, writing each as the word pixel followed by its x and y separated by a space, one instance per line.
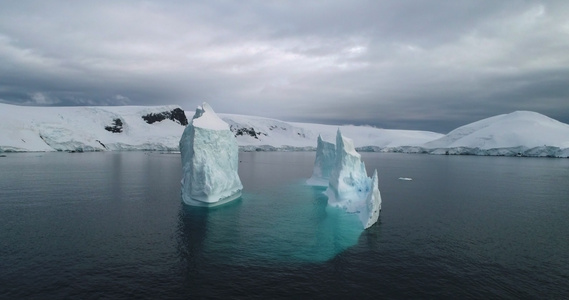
pixel 323 164
pixel 206 118
pixel 346 144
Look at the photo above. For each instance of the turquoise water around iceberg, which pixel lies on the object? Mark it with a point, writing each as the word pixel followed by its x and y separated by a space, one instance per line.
pixel 256 229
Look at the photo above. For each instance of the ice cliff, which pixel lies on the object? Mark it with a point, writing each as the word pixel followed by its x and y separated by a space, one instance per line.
pixel 349 186
pixel 209 160
pixel 323 164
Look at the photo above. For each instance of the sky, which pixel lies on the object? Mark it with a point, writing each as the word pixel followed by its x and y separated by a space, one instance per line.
pixel 415 64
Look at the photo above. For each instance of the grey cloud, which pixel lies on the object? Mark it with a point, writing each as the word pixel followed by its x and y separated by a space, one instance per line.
pixel 431 65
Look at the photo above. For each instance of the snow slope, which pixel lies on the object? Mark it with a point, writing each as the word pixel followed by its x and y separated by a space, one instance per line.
pixel 523 133
pixel 267 134
pixel 26 128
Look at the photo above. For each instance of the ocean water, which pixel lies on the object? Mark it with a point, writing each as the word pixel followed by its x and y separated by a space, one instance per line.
pixel 112 225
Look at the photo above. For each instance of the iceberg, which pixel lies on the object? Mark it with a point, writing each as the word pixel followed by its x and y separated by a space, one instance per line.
pixel 209 160
pixel 323 164
pixel 349 186
pixel 372 203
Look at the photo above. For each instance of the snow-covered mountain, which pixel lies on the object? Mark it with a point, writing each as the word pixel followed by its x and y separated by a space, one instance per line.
pixel 266 134
pixel 523 133
pixel 101 128
pixel 25 128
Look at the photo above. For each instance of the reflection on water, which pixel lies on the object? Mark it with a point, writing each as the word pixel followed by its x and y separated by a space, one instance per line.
pixel 191 233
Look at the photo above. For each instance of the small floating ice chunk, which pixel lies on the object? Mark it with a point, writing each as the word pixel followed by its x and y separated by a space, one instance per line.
pixel 405 178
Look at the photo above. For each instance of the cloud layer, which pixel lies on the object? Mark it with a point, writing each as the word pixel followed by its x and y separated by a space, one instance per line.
pixel 431 65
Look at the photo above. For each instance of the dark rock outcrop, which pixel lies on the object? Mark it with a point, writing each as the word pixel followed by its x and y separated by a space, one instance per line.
pixel 246 131
pixel 101 144
pixel 116 127
pixel 177 115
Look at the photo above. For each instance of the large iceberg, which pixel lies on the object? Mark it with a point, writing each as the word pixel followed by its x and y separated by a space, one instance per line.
pixel 349 186
pixel 209 160
pixel 323 164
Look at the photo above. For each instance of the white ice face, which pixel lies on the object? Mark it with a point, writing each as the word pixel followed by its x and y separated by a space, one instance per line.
pixel 209 161
pixel 373 203
pixel 349 186
pixel 323 164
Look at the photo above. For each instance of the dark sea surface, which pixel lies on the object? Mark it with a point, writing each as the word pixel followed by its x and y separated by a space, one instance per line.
pixel 112 226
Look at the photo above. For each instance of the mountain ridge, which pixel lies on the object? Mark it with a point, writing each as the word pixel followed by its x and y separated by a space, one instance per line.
pixel 159 128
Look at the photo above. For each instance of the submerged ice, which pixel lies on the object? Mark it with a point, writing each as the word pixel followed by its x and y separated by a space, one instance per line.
pixel 349 186
pixel 209 160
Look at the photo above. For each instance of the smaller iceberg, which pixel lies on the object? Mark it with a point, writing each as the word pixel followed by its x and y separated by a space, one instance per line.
pixel 323 164
pixel 209 160
pixel 349 186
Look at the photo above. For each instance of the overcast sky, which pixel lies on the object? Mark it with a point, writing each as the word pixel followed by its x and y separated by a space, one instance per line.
pixel 414 64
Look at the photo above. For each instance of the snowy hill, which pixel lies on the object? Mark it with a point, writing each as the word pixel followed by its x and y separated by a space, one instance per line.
pixel 25 128
pixel 100 128
pixel 521 133
pixel 267 134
